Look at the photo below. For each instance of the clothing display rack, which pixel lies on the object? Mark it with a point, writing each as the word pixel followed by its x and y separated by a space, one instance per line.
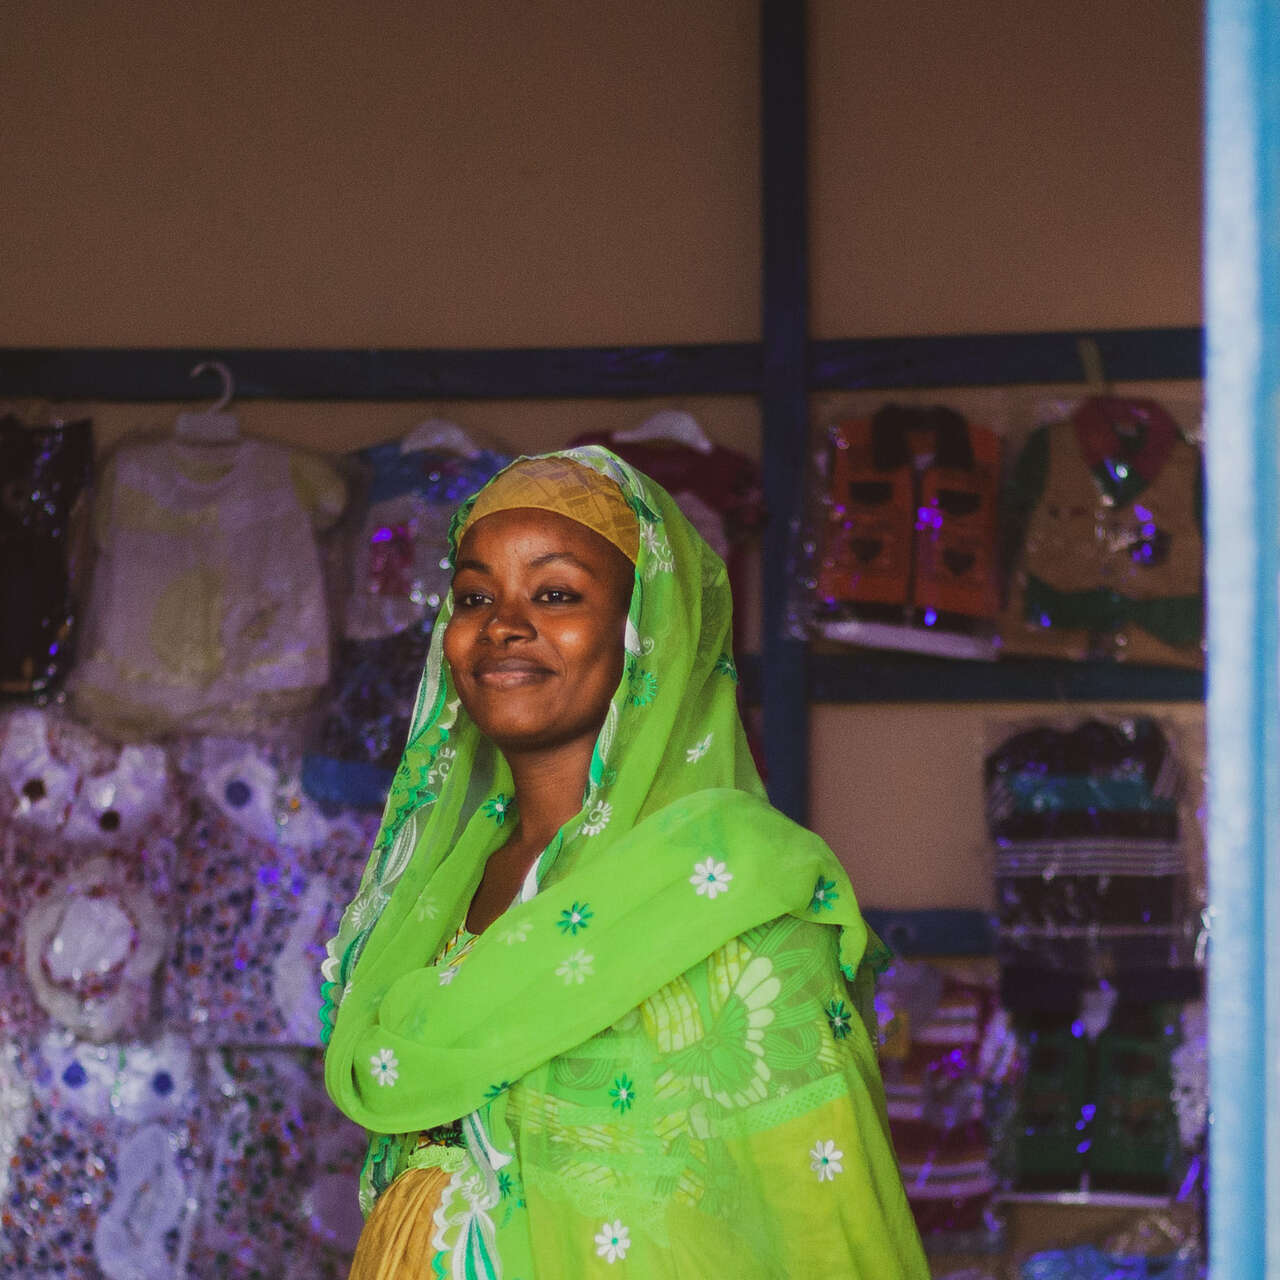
pixel 783 369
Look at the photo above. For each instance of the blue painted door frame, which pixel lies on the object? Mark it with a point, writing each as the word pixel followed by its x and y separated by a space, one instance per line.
pixel 1243 389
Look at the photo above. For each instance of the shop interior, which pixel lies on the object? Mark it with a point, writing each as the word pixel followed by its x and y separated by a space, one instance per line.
pixel 906 300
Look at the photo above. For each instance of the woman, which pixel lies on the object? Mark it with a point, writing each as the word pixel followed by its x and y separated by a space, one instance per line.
pixel 596 1001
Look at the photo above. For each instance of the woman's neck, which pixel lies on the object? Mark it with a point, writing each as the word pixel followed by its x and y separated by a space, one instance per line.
pixel 549 787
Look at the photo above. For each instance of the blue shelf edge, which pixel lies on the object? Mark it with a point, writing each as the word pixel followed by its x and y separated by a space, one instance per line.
pixel 947 931
pixel 316 373
pixel 727 368
pixel 867 676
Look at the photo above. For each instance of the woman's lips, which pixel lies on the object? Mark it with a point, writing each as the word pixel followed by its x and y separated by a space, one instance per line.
pixel 509 673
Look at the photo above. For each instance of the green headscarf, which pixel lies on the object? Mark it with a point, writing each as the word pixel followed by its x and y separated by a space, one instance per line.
pixel 674 854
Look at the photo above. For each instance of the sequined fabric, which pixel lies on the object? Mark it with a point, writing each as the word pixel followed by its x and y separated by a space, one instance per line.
pixel 44 480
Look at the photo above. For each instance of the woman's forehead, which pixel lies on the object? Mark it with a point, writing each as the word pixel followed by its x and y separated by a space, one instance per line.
pixel 527 536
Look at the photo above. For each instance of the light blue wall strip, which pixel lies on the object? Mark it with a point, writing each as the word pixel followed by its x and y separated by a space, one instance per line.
pixel 1243 316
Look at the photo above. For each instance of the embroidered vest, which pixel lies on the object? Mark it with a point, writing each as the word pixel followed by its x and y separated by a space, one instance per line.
pixel 910 530
pixel 1113 553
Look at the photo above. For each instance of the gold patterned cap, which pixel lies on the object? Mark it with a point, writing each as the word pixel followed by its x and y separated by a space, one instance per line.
pixel 567 488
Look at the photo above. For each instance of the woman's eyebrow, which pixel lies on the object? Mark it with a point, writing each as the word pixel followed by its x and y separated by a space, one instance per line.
pixel 562 555
pixel 479 566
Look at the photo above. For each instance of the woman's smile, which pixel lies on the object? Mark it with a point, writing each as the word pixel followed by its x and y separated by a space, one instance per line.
pixel 509 673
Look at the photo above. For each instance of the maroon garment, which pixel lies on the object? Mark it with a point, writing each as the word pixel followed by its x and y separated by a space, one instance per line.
pixel 725 481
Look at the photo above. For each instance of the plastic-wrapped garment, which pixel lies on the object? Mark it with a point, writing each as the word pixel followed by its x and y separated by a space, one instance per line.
pixel 399 575
pixel 101 1159
pixel 1098 1100
pixel 44 480
pixel 1090 874
pixel 1088 1262
pixel 207 611
pixel 934 1088
pixel 1097 780
pixel 1107 509
pixel 87 853
pixel 281 1196
pixel 908 547
pixel 262 880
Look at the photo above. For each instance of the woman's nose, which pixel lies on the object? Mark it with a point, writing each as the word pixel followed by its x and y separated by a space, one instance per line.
pixel 509 622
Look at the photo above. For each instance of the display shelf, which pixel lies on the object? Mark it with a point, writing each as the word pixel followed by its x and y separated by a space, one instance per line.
pixel 1087 1199
pixel 344 373
pixel 1004 359
pixel 865 675
pixel 935 932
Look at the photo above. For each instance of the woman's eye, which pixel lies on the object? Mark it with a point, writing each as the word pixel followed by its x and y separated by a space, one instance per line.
pixel 471 599
pixel 555 595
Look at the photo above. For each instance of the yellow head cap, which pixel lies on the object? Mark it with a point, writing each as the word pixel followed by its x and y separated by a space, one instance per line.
pixel 567 488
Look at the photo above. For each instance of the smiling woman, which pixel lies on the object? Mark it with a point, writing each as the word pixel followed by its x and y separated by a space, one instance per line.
pixel 595 1001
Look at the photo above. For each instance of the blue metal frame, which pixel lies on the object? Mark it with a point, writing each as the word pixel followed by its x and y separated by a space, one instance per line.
pixel 784 394
pixel 1243 310
pixel 142 374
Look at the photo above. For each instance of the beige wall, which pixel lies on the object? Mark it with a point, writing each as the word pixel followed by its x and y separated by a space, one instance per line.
pixel 511 173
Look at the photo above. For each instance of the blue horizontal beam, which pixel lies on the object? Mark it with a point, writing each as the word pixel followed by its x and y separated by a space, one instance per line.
pixel 729 368
pixel 164 373
pixel 872 676
pixel 1003 359
pixel 936 932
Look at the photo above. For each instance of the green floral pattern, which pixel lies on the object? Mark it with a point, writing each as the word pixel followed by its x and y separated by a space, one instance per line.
pixel 497 808
pixel 642 686
pixel 825 896
pixel 839 1019
pixel 575 918
pixel 623 1093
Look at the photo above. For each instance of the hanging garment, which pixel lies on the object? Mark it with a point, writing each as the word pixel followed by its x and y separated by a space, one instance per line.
pixel 261 883
pixel 208 611
pixel 908 546
pixel 282 1172
pixel 1109 562
pixel 1090 873
pixel 399 576
pixel 102 1146
pixel 934 1084
pixel 44 487
pixel 88 833
pixel 661 1054
pixel 718 491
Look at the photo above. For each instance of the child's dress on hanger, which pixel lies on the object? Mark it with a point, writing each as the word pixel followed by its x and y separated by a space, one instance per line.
pixel 208 608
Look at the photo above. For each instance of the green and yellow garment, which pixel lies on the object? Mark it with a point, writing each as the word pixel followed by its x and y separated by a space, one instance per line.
pixel 657 1062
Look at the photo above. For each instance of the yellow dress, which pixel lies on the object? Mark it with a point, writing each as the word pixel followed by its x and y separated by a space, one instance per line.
pixel 397 1237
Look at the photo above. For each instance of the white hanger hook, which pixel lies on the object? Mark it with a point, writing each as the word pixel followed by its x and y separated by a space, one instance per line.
pixel 228 382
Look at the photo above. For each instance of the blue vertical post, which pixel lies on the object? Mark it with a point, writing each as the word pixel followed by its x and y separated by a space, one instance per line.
pixel 784 391
pixel 1243 364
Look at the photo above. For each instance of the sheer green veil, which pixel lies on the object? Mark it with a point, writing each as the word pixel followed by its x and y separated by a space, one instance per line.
pixel 674 852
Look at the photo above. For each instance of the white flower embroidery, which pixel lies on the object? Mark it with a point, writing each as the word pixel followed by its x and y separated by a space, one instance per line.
pixel 443 763
pixel 660 558
pixel 577 968
pixel 427 910
pixel 612 1242
pixel 825 1159
pixel 384 1067
pixel 710 878
pixel 597 818
pixel 698 750
pixel 448 975
pixel 514 933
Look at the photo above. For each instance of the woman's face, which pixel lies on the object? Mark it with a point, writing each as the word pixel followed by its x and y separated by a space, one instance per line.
pixel 536 638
